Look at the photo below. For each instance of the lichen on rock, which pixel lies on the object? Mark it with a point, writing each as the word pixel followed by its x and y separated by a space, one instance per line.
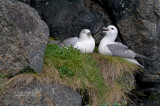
pixel 23 38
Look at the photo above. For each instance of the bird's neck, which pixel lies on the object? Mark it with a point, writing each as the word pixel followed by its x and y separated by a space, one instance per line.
pixel 110 38
pixel 107 40
pixel 85 38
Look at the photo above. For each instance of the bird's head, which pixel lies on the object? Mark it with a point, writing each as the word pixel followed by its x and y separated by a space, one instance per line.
pixel 85 33
pixel 111 30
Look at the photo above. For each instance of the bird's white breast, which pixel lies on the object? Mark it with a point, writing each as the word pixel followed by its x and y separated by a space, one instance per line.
pixel 85 45
pixel 103 48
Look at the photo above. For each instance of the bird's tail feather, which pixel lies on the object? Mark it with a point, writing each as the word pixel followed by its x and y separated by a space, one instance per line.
pixel 134 62
pixel 141 56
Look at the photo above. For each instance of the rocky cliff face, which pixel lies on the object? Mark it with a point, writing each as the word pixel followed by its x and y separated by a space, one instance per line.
pixel 23 38
pixel 67 18
pixel 137 20
pixel 41 95
pixel 139 24
pixel 24 35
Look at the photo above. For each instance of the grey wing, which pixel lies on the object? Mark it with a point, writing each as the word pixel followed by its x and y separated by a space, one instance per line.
pixel 118 44
pixel 121 50
pixel 69 41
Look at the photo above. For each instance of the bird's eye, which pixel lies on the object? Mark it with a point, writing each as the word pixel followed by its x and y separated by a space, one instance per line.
pixel 112 28
pixel 84 32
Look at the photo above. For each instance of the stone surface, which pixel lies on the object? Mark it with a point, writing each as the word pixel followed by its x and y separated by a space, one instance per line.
pixel 67 18
pixel 25 1
pixel 23 38
pixel 153 100
pixel 139 24
pixel 40 95
pixel 140 31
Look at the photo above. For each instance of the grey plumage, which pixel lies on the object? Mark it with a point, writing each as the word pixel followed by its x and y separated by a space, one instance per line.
pixel 121 50
pixel 108 46
pixel 85 42
pixel 69 41
pixel 141 56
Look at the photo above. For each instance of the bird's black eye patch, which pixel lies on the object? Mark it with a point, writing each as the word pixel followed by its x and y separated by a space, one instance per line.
pixel 84 32
pixel 112 28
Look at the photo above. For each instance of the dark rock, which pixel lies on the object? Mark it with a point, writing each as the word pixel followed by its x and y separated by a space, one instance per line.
pixel 139 24
pixel 41 95
pixel 25 1
pixel 122 9
pixel 67 18
pixel 152 100
pixel 23 38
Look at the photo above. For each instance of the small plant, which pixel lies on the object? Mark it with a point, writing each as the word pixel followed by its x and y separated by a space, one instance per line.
pixel 27 70
pixel 2 82
pixel 2 76
pixel 153 96
pixel 65 71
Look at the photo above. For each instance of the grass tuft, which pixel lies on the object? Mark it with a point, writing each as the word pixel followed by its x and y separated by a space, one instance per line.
pixel 118 74
pixel 105 79
pixel 77 70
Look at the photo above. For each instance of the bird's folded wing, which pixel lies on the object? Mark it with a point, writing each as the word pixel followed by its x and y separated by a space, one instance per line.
pixel 121 50
pixel 69 41
pixel 120 45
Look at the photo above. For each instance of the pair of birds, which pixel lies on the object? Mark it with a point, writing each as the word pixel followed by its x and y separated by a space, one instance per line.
pixel 86 44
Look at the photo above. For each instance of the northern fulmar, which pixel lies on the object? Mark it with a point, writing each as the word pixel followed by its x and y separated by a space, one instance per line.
pixel 85 43
pixel 108 46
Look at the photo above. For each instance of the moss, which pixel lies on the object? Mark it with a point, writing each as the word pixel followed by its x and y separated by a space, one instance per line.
pixel 79 70
pixel 2 82
pixel 154 97
pixel 2 76
pixel 153 100
pixel 27 70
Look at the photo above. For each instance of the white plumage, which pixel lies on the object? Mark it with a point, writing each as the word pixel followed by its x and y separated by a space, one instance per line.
pixel 85 43
pixel 108 46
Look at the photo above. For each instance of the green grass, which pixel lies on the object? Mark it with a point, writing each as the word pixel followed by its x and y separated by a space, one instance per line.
pixel 79 70
pixel 119 76
pixel 104 78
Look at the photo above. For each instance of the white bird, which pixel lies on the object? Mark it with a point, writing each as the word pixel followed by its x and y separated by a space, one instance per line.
pixel 108 46
pixel 85 43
